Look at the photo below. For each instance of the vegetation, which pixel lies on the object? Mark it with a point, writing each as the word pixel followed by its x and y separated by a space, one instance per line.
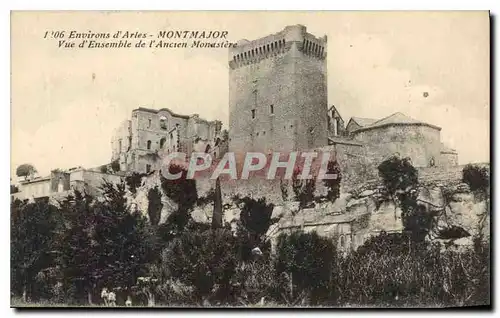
pixel 303 189
pixel 133 181
pixel 25 170
pixel 115 165
pixel 68 253
pixel 333 185
pixel 478 178
pixel 400 179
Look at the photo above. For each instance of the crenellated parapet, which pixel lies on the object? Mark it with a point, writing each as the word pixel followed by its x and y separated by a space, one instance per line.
pixel 251 52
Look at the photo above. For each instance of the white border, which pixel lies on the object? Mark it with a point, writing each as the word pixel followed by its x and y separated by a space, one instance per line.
pixel 188 5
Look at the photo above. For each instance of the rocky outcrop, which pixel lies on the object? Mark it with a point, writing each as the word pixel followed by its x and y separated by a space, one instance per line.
pixel 458 215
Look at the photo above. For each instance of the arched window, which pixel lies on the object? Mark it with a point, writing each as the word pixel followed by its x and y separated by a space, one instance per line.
pixel 149 144
pixel 163 122
pixel 207 149
pixel 162 142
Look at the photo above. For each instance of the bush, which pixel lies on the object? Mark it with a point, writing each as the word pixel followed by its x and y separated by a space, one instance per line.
pixel 306 260
pixel 333 185
pixel 134 181
pixel 389 270
pixel 205 260
pixel 115 165
pixel 478 178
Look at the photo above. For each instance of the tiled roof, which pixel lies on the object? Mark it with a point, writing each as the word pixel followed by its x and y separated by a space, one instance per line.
pixel 396 119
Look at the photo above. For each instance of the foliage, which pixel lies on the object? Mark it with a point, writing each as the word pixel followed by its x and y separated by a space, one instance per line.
pixel 33 227
pixel 217 212
pixel 13 189
pixel 205 260
pixel 333 185
pixel 76 255
pixel 398 175
pixel 115 165
pixel 390 270
pixel 154 205
pixel 183 192
pixel 25 170
pixel 478 178
pixel 208 198
pixel 103 169
pixel 255 218
pixel 134 181
pixel 400 179
pixel 306 259
pixel 303 189
pixel 123 239
pixel 284 189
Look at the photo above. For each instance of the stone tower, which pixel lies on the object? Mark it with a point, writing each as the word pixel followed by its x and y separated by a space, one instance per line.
pixel 278 92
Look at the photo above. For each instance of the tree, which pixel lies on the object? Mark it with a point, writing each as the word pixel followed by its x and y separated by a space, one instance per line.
pixel 33 228
pixel 400 179
pixel 306 260
pixel 25 170
pixel 77 255
pixel 115 165
pixel 205 260
pixel 123 241
pixel 333 185
pixel 183 192
pixel 478 178
pixel 217 215
pixel 154 205
pixel 134 181
pixel 303 189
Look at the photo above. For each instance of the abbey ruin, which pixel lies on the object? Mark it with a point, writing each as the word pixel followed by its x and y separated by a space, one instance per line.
pixel 278 101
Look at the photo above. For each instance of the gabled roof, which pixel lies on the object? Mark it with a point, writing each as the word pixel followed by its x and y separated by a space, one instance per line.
pixel 396 119
pixel 363 121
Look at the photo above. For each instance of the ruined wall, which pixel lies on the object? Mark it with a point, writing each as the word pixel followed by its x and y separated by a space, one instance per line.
pixel 59 181
pixel 356 166
pixel 448 158
pixel 277 93
pixel 146 125
pixel 34 188
pixel 121 140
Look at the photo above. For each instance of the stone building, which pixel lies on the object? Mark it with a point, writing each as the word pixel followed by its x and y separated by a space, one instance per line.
pixel 278 102
pixel 335 123
pixel 138 143
pixel 61 183
pixel 278 92
pixel 405 136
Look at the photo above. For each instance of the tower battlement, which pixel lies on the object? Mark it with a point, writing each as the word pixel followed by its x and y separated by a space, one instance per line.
pixel 250 52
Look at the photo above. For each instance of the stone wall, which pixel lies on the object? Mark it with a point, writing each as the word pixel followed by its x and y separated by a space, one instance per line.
pixel 419 142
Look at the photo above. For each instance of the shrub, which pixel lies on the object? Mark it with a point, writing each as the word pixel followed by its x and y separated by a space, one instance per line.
pixel 303 189
pixel 390 270
pixel 183 192
pixel 205 260
pixel 115 165
pixel 306 260
pixel 333 185
pixel 134 181
pixel 400 179
pixel 478 178
pixel 154 205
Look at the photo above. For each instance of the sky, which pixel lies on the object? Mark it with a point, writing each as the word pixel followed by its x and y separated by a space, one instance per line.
pixel 65 103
